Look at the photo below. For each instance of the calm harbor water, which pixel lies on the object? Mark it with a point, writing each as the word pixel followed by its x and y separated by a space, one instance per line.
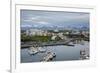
pixel 63 53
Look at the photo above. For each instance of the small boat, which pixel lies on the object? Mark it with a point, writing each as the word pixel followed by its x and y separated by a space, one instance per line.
pixel 70 44
pixel 33 51
pixel 42 50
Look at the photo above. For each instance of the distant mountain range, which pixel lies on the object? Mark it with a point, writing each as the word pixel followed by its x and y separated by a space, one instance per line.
pixel 59 27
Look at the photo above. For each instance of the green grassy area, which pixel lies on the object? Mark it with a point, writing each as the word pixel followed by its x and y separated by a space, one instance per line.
pixel 25 38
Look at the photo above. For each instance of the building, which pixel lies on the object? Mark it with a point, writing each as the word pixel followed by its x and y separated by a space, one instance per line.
pixel 38 32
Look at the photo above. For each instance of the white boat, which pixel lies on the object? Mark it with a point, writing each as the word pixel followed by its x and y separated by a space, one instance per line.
pixel 41 49
pixel 70 44
pixel 33 50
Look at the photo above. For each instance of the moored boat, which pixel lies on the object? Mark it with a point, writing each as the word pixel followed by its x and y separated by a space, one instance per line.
pixel 42 50
pixel 33 50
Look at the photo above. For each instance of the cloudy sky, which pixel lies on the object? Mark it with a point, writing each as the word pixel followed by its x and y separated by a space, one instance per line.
pixel 36 19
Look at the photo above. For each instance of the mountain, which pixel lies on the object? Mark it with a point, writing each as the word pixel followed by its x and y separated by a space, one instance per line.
pixel 59 27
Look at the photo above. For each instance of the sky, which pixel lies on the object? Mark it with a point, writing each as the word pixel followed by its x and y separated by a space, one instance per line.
pixel 53 19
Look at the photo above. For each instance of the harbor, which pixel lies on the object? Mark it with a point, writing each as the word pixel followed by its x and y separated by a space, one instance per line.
pixel 55 53
pixel 48 36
